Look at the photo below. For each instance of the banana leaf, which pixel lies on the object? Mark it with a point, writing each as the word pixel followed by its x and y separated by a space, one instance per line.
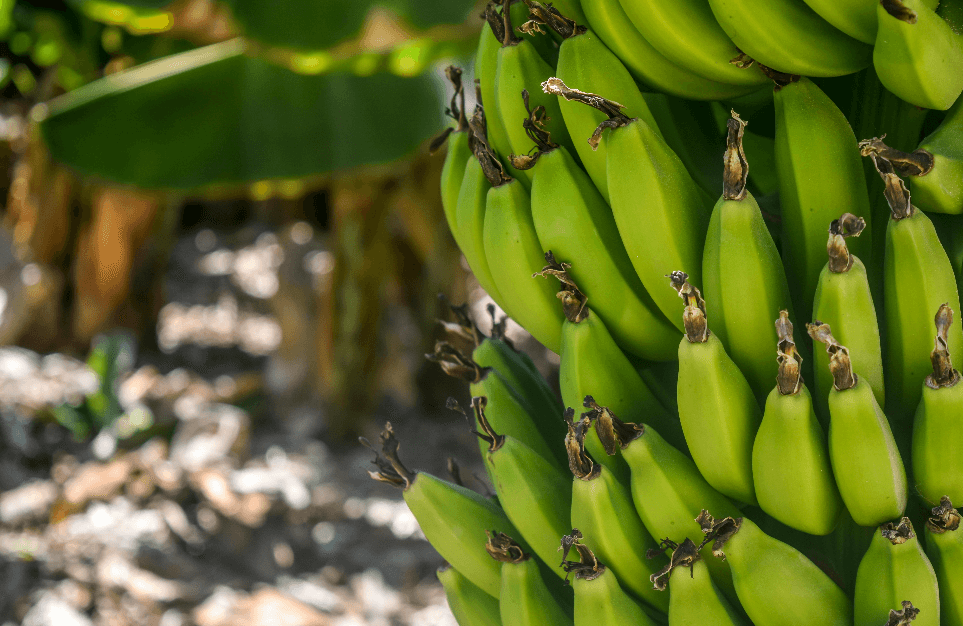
pixel 217 116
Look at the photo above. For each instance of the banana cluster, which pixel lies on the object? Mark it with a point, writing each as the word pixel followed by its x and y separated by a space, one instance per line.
pixel 705 464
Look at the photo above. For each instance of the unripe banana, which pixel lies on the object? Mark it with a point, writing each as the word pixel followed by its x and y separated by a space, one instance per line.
pixel 602 508
pixel 917 55
pixel 790 37
pixel 743 277
pixel 643 171
pixel 521 69
pixel 647 64
pixel 894 569
pixel 687 34
pixel 574 222
pixel 534 493
pixel 591 365
pixel 668 490
pixel 513 253
pixel 918 279
pixel 695 600
pixel 599 599
pixel 472 198
pixel 508 409
pixel 856 18
pixel 525 598
pixel 717 409
pixel 454 519
pixel 820 177
pixel 583 60
pixel 866 462
pixel 939 187
pixel 468 603
pixel 776 584
pixel 790 463
pixel 843 300
pixel 944 546
pixel 453 170
pixel 937 433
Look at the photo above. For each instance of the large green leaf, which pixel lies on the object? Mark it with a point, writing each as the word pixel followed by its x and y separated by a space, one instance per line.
pixel 218 116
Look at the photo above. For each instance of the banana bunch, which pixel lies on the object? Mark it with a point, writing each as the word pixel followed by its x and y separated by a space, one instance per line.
pixel 713 467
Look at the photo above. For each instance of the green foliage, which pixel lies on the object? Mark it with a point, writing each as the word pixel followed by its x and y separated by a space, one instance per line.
pixel 218 116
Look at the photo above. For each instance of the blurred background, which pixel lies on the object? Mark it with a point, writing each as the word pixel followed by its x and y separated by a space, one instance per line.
pixel 221 249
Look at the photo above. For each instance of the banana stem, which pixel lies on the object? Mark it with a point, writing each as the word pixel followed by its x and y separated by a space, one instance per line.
pixel 839 363
pixel 718 531
pixel 456 364
pixel 550 16
pixel 900 11
pixel 916 163
pixel 945 518
pixel 579 461
pixel 683 555
pixel 943 373
pixel 897 195
pixel 390 468
pixel 736 166
pixel 904 616
pixel 614 433
pixel 694 315
pixel 503 548
pixel 487 434
pixel 789 378
pixel 573 301
pixel 613 109
pixel 848 225
pixel 509 38
pixel 899 532
pixel 478 143
pixel 534 126
pixel 588 566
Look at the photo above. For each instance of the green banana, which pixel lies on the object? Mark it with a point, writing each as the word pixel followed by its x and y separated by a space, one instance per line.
pixel 486 65
pixel 509 410
pixel 695 600
pixel 717 408
pixel 790 463
pixel 668 490
pixel 866 462
pixel 535 494
pixel 743 278
pixel 469 604
pixel 939 187
pixel 454 519
pixel 470 209
pixel 573 220
pixel 776 584
pixel 602 508
pixel 521 69
pixel 918 279
pixel 599 598
pixel 950 230
pixel 647 64
pixel 790 37
pixel 820 177
pixel 525 598
pixel 843 300
pixel 453 170
pixel 937 435
pixel 513 253
pixel 585 61
pixel 944 546
pixel 687 34
pixel 917 55
pixel 894 569
pixel 856 18
pixel 591 365
pixel 643 171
